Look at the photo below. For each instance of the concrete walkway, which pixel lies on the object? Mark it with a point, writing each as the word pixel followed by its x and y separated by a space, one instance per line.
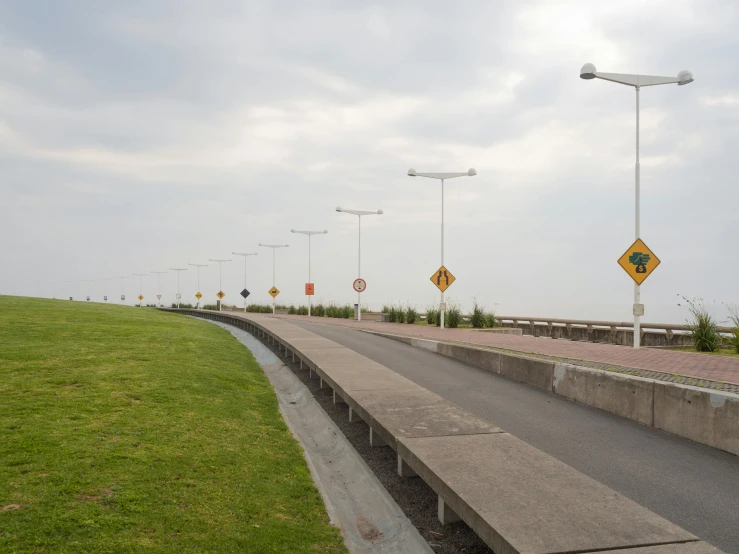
pixel 699 366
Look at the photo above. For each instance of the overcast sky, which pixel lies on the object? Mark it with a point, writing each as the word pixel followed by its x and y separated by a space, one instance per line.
pixel 144 135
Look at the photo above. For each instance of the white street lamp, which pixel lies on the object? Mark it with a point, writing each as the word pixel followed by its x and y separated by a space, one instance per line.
pixel 123 280
pixel 105 292
pixel 309 234
pixel 442 177
pixel 178 283
pixel 197 307
pixel 588 72
pixel 274 247
pixel 246 255
pixel 140 275
pixel 86 281
pixel 220 278
pixel 159 284
pixel 359 214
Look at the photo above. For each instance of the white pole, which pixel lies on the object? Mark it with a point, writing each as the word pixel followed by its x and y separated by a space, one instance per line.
pixel 442 306
pixel 359 270
pixel 220 284
pixel 637 288
pixel 245 282
pixel 198 304
pixel 309 297
pixel 178 290
pixel 273 279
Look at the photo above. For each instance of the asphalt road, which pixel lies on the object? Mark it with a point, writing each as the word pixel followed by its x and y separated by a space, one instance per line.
pixel 692 485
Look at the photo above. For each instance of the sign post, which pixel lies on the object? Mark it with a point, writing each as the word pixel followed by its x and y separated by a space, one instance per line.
pixel 638 262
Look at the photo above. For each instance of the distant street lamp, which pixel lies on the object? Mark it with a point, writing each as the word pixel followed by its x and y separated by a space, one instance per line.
pixel 197 307
pixel 159 285
pixel 123 292
pixel 140 275
pixel 588 72
pixel 246 255
pixel 274 247
pixel 442 177
pixel 105 291
pixel 179 296
pixel 220 279
pixel 359 214
pixel 309 234
pixel 87 296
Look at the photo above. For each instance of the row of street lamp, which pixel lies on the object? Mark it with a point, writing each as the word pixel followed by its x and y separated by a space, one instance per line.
pixel 587 72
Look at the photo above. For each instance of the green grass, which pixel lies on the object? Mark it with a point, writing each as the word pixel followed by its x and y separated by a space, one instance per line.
pixel 130 430
pixel 720 352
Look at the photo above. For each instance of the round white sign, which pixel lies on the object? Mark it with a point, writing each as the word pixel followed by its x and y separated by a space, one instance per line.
pixel 360 285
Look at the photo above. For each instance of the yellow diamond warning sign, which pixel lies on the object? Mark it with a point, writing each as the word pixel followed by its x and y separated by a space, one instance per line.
pixel 443 278
pixel 639 261
pixel 274 291
pixel 198 296
pixel 220 295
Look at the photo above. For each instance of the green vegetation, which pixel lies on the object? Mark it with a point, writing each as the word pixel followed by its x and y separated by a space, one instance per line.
pixel 452 316
pixel 703 328
pixel 734 317
pixel 480 318
pixel 125 430
pixel 411 315
pixel 183 306
pixel 398 314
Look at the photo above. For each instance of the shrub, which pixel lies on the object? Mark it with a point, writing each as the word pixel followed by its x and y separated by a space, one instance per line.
pixel 292 310
pixel 210 306
pixel 182 306
pixel 453 317
pixel 400 313
pixel 490 319
pixel 432 315
pixel 703 331
pixel 734 317
pixel 302 310
pixel 479 318
pixel 392 314
pixel 411 315
pixel 318 310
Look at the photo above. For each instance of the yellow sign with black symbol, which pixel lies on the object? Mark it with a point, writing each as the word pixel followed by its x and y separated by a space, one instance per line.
pixel 443 278
pixel 274 291
pixel 198 296
pixel 220 295
pixel 639 261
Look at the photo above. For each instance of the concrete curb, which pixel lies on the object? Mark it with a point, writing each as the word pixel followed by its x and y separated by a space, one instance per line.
pixel 701 415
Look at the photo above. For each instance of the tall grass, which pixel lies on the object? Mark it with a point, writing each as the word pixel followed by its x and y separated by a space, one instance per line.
pixel 703 328
pixel 478 319
pixel 182 305
pixel 734 317
pixel 452 316
pixel 411 315
pixel 432 315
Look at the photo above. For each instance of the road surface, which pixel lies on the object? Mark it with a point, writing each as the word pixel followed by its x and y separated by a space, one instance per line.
pixel 695 486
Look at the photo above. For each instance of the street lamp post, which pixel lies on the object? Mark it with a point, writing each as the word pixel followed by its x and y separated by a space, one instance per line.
pixel 588 72
pixel 309 235
pixel 178 283
pixel 246 255
pixel 359 214
pixel 442 176
pixel 87 281
pixel 197 307
pixel 140 275
pixel 220 279
pixel 274 247
pixel 159 285
pixel 123 292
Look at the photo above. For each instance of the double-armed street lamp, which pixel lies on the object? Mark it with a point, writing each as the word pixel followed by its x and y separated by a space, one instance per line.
pixel 309 234
pixel 123 292
pixel 359 214
pixel 246 255
pixel 220 280
pixel 141 299
pixel 179 296
pixel 442 177
pixel 588 72
pixel 87 296
pixel 274 289
pixel 159 285
pixel 199 294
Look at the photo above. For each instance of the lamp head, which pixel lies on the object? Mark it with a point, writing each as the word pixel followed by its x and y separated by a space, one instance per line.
pixel 379 212
pixel 292 230
pixel 338 209
pixel 411 172
pixel 471 172
pixel 325 231
pixel 588 71
pixel 684 77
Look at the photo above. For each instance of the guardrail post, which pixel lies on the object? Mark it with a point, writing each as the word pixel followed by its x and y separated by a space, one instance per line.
pixel 550 329
pixel 614 334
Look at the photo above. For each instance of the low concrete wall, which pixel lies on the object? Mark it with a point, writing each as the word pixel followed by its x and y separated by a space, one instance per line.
pixel 701 415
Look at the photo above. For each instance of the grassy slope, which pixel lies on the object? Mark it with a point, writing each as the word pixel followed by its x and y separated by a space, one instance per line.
pixel 131 430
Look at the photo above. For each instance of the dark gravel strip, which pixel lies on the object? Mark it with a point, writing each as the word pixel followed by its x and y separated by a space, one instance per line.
pixel 417 500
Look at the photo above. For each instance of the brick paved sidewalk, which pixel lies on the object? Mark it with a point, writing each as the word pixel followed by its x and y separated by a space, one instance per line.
pixel 699 366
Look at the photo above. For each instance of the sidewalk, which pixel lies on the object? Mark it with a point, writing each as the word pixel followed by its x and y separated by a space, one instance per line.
pixel 719 369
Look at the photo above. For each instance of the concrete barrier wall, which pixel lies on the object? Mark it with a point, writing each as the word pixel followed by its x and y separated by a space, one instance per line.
pixel 701 415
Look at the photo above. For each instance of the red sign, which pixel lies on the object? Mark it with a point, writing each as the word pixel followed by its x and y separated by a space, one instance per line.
pixel 309 289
